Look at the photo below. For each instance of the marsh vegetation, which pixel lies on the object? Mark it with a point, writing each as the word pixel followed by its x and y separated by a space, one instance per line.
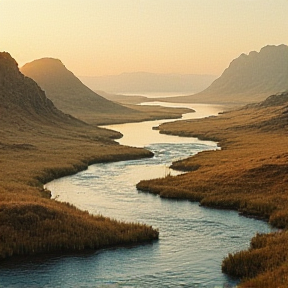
pixel 248 174
pixel 40 143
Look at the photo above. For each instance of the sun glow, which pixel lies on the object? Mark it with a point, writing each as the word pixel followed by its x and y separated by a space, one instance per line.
pixel 111 36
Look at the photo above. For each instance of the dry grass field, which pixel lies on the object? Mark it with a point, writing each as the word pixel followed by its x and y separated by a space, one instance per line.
pixel 31 222
pixel 249 174
pixel 39 143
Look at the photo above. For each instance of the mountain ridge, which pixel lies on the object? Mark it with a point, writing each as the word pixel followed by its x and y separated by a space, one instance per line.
pixel 249 78
pixel 258 67
pixel 147 82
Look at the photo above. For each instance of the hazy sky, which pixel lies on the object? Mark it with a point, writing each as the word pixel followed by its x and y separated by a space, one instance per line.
pixel 98 37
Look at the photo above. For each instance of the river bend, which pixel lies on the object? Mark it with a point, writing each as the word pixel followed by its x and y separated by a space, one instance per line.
pixel 193 240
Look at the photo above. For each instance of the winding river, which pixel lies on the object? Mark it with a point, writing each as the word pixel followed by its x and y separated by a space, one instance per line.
pixel 193 240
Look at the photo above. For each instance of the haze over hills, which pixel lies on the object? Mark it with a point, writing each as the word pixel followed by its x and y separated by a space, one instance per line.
pixel 149 83
pixel 40 143
pixel 24 107
pixel 249 78
pixel 69 94
pixel 23 101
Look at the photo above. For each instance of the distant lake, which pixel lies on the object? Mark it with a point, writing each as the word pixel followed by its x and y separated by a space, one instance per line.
pixel 193 240
pixel 156 94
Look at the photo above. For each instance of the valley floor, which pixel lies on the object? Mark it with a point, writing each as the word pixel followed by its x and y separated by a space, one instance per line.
pixel 31 222
pixel 248 174
pixel 141 113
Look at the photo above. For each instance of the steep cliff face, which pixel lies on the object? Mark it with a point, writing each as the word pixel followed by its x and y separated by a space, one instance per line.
pixel 22 100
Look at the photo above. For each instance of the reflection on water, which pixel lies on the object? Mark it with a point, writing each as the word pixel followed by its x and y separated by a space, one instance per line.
pixel 193 240
pixel 156 94
pixel 142 134
pixel 118 180
pixel 201 110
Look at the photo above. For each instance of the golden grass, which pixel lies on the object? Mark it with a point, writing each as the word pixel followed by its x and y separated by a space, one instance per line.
pixel 249 174
pixel 47 226
pixel 39 143
pixel 30 222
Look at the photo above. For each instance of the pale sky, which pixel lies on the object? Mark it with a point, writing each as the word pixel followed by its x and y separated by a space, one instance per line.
pixel 107 37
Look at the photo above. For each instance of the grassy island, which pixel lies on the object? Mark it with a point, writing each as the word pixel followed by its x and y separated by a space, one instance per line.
pixel 249 174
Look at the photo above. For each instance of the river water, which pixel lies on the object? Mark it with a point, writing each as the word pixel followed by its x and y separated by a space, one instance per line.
pixel 193 240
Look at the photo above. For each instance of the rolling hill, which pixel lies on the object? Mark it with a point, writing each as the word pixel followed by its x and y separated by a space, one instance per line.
pixel 71 96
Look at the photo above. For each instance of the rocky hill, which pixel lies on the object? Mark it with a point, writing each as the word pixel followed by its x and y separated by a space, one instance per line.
pixel 70 95
pixel 249 78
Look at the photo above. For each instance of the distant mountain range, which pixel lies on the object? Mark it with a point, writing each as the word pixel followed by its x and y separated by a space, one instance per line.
pixel 249 78
pixel 148 83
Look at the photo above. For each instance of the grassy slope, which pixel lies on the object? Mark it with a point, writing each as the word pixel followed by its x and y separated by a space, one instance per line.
pixel 71 96
pixel 249 174
pixel 39 143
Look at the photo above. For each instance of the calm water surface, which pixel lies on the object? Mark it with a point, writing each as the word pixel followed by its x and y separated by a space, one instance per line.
pixel 193 240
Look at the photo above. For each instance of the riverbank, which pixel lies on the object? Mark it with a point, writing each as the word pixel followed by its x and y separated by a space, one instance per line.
pixel 141 113
pixel 31 222
pixel 248 174
pixel 40 143
pixel 110 189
